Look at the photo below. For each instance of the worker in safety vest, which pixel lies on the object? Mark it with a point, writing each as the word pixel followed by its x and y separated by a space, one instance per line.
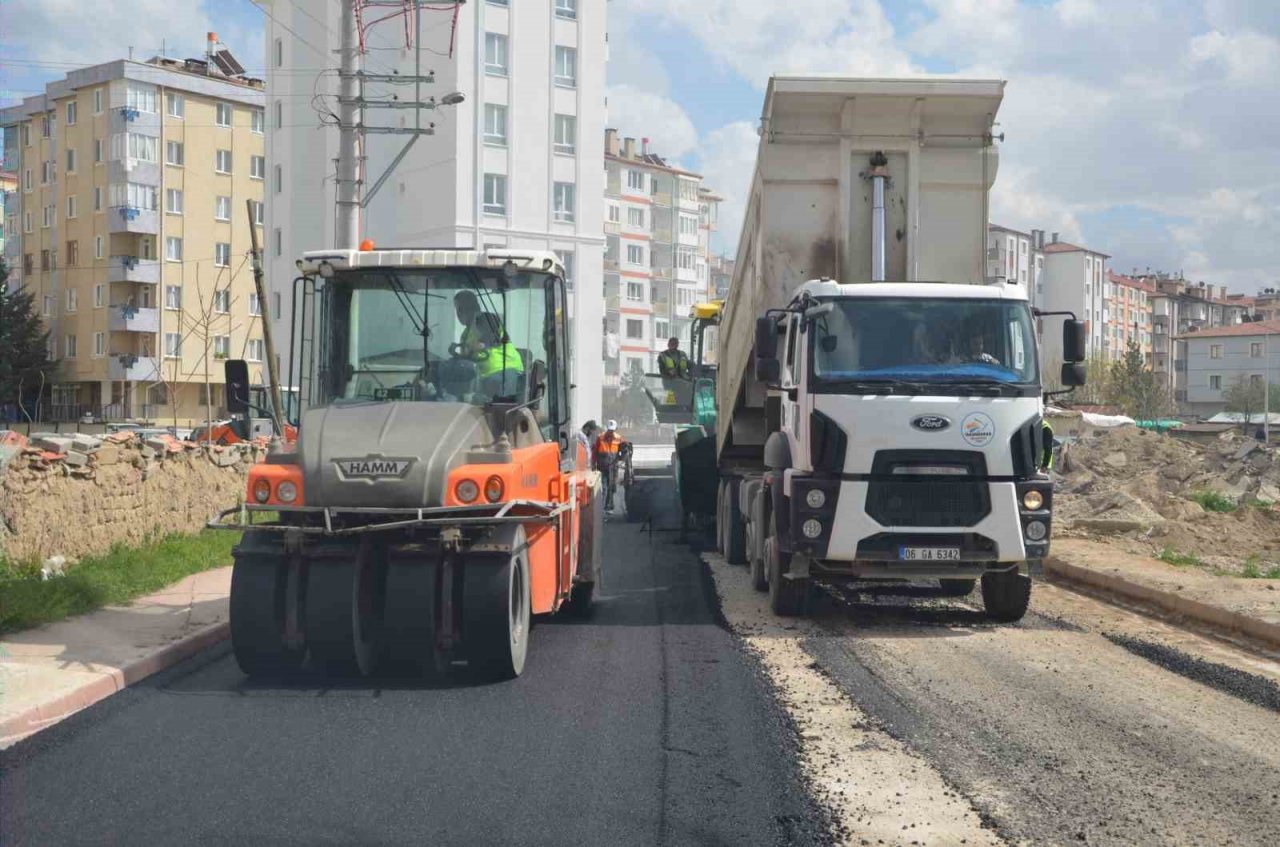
pixel 1046 458
pixel 672 362
pixel 466 306
pixel 605 456
pixel 499 365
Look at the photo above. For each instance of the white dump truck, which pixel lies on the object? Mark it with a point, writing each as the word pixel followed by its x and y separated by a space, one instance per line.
pixel 879 399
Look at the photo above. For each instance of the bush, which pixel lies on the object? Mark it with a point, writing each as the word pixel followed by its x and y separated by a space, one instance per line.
pixel 1182 560
pixel 1214 501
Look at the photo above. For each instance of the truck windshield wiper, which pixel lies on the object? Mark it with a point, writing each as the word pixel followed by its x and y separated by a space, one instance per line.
pixel 886 385
pixel 990 387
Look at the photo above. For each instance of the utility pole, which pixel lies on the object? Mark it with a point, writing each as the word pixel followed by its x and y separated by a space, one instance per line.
pixel 347 234
pixel 273 375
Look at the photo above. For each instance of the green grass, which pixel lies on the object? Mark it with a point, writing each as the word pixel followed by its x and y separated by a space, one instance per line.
pixel 1182 560
pixel 1253 569
pixel 1261 504
pixel 114 577
pixel 1214 501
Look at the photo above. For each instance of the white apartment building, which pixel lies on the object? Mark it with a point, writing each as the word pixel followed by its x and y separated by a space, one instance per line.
pixel 516 164
pixel 1075 280
pixel 656 262
pixel 1016 257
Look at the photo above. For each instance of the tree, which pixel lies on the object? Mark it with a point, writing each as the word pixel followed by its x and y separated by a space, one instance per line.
pixel 1135 388
pixel 1246 397
pixel 24 356
pixel 1097 379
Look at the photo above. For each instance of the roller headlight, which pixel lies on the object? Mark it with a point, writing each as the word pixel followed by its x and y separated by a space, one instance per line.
pixel 493 489
pixel 286 492
pixel 1037 530
pixel 1033 500
pixel 261 491
pixel 811 528
pixel 467 491
pixel 816 498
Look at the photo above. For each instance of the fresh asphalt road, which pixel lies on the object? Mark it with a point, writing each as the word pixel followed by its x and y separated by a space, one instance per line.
pixel 645 725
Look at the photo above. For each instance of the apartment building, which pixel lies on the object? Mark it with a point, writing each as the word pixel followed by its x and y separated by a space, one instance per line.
pixel 657 255
pixel 1129 310
pixel 721 275
pixel 8 217
pixel 1179 307
pixel 134 233
pixel 1217 357
pixel 1016 257
pixel 517 163
pixel 1074 280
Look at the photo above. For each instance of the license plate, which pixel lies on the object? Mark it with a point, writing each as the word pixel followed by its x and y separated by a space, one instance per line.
pixel 929 554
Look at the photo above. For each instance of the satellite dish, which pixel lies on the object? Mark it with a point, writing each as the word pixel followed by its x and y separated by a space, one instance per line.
pixel 227 63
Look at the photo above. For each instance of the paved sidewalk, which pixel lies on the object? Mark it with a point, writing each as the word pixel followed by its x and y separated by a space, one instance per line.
pixel 1230 605
pixel 55 670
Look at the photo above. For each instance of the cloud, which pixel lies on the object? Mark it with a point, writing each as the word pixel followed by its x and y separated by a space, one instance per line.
pixel 643 114
pixel 727 157
pixel 60 31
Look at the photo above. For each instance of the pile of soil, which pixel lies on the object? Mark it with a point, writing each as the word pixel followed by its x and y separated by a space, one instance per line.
pixel 1138 487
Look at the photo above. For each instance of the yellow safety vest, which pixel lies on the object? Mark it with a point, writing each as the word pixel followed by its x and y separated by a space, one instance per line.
pixel 505 357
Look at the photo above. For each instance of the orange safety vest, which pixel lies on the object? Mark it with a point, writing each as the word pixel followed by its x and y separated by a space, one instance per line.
pixel 607 444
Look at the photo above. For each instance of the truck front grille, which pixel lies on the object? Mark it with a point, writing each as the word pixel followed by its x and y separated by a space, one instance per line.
pixel 895 498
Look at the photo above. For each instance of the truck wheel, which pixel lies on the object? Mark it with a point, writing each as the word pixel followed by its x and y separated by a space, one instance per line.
pixel 1006 595
pixel 258 583
pixel 409 615
pixel 735 543
pixel 496 613
pixel 344 610
pixel 581 600
pixel 755 550
pixel 788 598
pixel 957 587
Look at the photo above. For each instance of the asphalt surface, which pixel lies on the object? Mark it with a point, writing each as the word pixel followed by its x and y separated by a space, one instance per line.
pixel 646 725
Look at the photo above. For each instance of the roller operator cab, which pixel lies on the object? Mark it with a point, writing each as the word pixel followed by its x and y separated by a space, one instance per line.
pixel 907 439
pixel 435 499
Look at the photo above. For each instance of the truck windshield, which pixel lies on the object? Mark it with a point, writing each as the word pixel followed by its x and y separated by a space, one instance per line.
pixel 465 335
pixel 925 340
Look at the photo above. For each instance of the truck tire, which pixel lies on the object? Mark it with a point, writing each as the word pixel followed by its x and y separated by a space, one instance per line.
pixel 1006 594
pixel 410 614
pixel 735 542
pixel 720 518
pixel 788 598
pixel 258 583
pixel 496 615
pixel 957 587
pixel 755 550
pixel 344 611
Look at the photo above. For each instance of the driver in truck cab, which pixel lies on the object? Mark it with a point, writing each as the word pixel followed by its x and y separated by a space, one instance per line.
pixel 499 365
pixel 466 306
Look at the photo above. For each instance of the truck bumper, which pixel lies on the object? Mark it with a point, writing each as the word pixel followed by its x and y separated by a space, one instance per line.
pixel 1004 533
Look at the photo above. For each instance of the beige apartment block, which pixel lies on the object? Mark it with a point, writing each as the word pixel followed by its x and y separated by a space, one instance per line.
pixel 132 232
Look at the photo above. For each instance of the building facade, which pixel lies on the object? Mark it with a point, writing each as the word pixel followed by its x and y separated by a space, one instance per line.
pixel 9 216
pixel 1129 310
pixel 658 226
pixel 1016 257
pixel 517 163
pixel 132 233
pixel 1180 307
pixel 1218 357
pixel 1074 280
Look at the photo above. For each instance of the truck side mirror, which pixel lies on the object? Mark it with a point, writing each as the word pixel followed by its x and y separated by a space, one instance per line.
pixel 766 338
pixel 236 372
pixel 1073 375
pixel 1073 341
pixel 768 371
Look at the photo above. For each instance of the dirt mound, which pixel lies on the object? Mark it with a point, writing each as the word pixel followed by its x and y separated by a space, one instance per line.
pixel 1150 492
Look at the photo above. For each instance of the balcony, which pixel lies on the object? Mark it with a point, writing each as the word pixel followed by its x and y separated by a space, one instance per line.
pixel 126 366
pixel 612 302
pixel 133 219
pixel 610 264
pixel 134 319
pixel 612 227
pixel 661 198
pixel 133 269
pixel 662 272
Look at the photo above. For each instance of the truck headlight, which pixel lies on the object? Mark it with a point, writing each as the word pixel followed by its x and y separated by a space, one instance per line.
pixel 1037 530
pixel 1033 500
pixel 286 492
pixel 816 498
pixel 811 528
pixel 467 491
pixel 261 491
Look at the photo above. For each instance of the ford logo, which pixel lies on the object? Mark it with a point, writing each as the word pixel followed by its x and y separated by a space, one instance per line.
pixel 931 423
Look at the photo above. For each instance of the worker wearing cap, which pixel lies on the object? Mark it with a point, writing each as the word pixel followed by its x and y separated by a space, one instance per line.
pixel 605 456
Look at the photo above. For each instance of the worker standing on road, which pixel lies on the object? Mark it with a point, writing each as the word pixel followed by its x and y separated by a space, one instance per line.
pixel 605 455
pixel 586 437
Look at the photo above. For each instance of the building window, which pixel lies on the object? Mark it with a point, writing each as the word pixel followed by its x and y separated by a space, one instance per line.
pixel 73 299
pixel 46 173
pixel 99 344
pixel 278 237
pixel 26 180
pixel 46 126
pixel 173 153
pixel 134 195
pixel 258 212
pixel 222 259
pixel 255 305
pixel 99 296
pixel 258 167
pixel 635 180
pixel 279 109
pixel 495 194
pixel 688 225
pixel 635 217
pixel 173 249
pixel 566 140
pixel 495 54
pixel 97 151
pixel 141 97
pixel 72 207
pixel 567 9
pixel 133 145
pixel 223 115
pixel 256 350
pixel 661 329
pixel 495 124
pixel 566 258
pixel 259 120
pixel 73 254
pixel 1215 382
pixel 686 258
pixel 222 162
pixel 97 102
pixel 71 113
pixel 279 179
pixel 566 66
pixel 47 310
pixel 173 201
pixel 221 346
pixel 50 215
pixel 564 205
pixel 173 296
pixel 172 345
pixel 26 222
pixel 222 208
pixel 279 52
pixel 98 246
pixel 1215 351
pixel 97 199
pixel 46 263
pixel 635 254
pixel 635 328
pixel 615 214
pixel 175 105
pixel 72 349
pixel 1255 350
pixel 635 292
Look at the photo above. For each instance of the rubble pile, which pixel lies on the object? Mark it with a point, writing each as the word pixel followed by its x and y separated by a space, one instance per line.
pixel 72 495
pixel 1142 486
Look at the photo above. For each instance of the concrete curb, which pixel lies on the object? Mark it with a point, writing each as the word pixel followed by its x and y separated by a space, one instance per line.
pixel 109 682
pixel 1216 618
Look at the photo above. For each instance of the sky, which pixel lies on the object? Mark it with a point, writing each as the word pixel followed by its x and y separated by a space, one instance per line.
pixel 1146 129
